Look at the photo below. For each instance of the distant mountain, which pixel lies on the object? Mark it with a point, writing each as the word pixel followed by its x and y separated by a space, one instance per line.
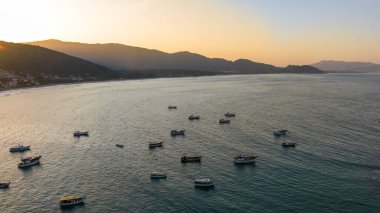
pixel 343 66
pixel 123 57
pixel 296 69
pixel 43 64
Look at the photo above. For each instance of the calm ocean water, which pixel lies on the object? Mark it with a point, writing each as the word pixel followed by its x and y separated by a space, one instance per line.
pixel 334 118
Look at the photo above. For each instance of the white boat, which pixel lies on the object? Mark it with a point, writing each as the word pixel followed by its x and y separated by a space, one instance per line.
pixel 4 185
pixel 71 200
pixel 244 159
pixel 19 148
pixel 153 144
pixel 279 132
pixel 205 183
pixel 157 175
pixel 29 161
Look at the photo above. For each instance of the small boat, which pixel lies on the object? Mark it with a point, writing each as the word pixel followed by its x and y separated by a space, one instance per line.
pixel 244 159
pixel 31 158
pixel 172 107
pixel 4 185
pixel 158 175
pixel 185 159
pixel 153 144
pixel 120 145
pixel 29 161
pixel 80 133
pixel 279 132
pixel 19 148
pixel 204 183
pixel 192 117
pixel 224 121
pixel 289 144
pixel 176 132
pixel 230 114
pixel 71 200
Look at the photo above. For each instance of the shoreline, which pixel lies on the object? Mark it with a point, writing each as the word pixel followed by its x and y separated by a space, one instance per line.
pixel 149 78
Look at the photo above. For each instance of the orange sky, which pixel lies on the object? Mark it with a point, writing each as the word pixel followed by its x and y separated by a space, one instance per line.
pixel 274 31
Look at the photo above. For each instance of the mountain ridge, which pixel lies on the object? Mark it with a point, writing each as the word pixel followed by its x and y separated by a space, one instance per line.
pixel 124 57
pixel 347 66
pixel 39 65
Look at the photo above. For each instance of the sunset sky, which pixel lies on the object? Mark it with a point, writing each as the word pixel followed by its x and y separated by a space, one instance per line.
pixel 279 32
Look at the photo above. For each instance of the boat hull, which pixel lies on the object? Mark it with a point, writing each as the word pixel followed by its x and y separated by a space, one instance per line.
pixel 80 202
pixel 19 149
pixel 288 145
pixel 204 186
pixel 244 162
pixel 190 159
pixel 158 176
pixel 4 185
pixel 27 165
pixel 153 145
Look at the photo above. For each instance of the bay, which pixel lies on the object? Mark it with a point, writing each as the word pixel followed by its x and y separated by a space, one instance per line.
pixel 333 118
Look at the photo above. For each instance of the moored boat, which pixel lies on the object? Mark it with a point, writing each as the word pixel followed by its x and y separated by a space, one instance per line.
pixel 204 183
pixel 177 132
pixel 120 145
pixel 185 159
pixel 192 117
pixel 224 121
pixel 153 144
pixel 29 161
pixel 172 107
pixel 19 148
pixel 4 185
pixel 289 144
pixel 71 200
pixel 158 175
pixel 230 114
pixel 80 133
pixel 279 132
pixel 244 159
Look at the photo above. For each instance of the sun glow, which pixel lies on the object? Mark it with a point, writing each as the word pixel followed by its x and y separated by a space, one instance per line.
pixel 266 32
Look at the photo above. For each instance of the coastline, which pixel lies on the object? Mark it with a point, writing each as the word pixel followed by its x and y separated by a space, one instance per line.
pixel 158 77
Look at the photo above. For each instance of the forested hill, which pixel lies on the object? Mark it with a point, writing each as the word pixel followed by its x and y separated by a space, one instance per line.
pixel 35 61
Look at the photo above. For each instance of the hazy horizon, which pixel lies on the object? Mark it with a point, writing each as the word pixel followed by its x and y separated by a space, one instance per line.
pixel 274 32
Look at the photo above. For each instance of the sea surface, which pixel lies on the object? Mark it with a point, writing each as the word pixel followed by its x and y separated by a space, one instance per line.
pixel 333 118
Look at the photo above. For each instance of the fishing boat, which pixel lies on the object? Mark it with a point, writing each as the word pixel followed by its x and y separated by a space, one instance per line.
pixel 279 132
pixel 177 132
pixel 172 107
pixel 224 121
pixel 71 200
pixel 204 183
pixel 19 148
pixel 289 144
pixel 230 114
pixel 192 117
pixel 120 145
pixel 80 133
pixel 158 175
pixel 29 161
pixel 244 159
pixel 4 185
pixel 153 144
pixel 185 159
